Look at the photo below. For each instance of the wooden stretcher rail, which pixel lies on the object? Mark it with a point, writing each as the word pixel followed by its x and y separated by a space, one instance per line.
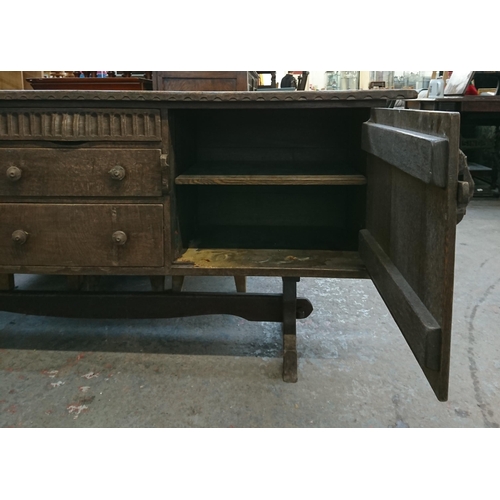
pixel 419 327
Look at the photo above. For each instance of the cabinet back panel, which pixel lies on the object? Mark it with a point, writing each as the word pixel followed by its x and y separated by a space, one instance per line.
pixel 282 135
pixel 321 217
pixel 272 205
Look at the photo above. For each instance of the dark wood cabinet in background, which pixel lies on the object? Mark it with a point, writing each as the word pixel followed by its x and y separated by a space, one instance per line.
pixel 299 184
pixel 205 80
pixel 476 114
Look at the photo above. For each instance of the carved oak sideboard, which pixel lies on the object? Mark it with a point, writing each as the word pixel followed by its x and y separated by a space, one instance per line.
pixel 299 184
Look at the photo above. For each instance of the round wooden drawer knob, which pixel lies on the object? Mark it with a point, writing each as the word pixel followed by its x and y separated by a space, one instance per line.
pixel 20 236
pixel 14 173
pixel 117 173
pixel 119 238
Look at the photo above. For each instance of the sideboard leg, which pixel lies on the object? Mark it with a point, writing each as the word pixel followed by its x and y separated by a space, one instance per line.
pixel 177 282
pixel 241 283
pixel 157 283
pixel 290 329
pixel 6 282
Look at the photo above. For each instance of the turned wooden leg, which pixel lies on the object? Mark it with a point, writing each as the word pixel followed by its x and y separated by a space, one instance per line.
pixel 6 282
pixel 157 283
pixel 241 283
pixel 75 282
pixel 177 282
pixel 290 329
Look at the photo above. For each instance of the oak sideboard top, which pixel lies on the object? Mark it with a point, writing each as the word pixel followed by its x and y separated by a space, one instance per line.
pixel 374 97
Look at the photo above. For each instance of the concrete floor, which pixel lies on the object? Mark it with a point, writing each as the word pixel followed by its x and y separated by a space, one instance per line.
pixel 355 369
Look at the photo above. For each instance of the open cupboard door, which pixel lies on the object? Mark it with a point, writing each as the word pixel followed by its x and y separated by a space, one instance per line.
pixel 408 245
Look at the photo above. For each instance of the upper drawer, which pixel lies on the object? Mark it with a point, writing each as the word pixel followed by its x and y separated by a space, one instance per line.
pixel 80 125
pixel 80 172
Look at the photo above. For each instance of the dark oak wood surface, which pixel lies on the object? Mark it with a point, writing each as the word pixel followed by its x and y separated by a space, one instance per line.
pixel 475 112
pixel 74 124
pixel 269 173
pixel 288 184
pixel 467 104
pixel 265 262
pixel 205 80
pixel 80 172
pixel 413 222
pixel 74 83
pixel 81 235
pixel 364 98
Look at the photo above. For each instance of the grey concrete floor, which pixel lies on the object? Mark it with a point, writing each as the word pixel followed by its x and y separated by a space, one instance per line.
pixel 355 369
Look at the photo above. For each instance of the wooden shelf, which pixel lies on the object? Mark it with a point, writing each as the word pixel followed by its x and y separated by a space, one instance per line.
pixel 263 262
pixel 269 173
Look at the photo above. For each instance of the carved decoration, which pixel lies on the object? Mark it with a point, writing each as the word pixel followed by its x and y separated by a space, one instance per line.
pixel 179 96
pixel 81 125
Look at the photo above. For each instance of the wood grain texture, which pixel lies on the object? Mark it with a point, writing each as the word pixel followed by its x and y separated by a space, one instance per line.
pixel 466 104
pixel 240 283
pixel 81 235
pixel 90 83
pixel 368 98
pixel 81 172
pixel 418 154
pixel 143 305
pixel 80 124
pixel 177 283
pixel 205 225
pixel 419 327
pixel 269 173
pixel 290 358
pixel 204 80
pixel 414 224
pixel 223 261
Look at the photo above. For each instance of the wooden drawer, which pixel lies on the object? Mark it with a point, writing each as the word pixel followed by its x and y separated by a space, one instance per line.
pixel 80 172
pixel 102 124
pixel 34 234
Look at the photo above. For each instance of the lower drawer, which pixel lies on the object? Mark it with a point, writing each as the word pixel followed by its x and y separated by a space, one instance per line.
pixel 33 234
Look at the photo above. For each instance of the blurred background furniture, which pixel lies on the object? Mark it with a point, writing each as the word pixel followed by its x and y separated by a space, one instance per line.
pixel 479 132
pixel 76 83
pixel 302 80
pixel 205 80
pixel 272 84
pixel 16 80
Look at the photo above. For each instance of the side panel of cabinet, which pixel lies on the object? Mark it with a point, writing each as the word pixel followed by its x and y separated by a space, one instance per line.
pixel 408 245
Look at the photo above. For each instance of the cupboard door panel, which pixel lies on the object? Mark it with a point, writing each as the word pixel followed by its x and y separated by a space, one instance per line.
pixel 408 245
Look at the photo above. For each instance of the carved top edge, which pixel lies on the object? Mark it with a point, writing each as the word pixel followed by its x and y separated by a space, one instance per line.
pixel 179 96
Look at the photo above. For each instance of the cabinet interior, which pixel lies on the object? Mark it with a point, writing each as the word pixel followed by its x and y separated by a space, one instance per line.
pixel 268 179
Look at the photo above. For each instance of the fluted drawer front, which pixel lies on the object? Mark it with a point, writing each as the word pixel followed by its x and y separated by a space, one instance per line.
pixel 101 124
pixel 33 234
pixel 80 172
